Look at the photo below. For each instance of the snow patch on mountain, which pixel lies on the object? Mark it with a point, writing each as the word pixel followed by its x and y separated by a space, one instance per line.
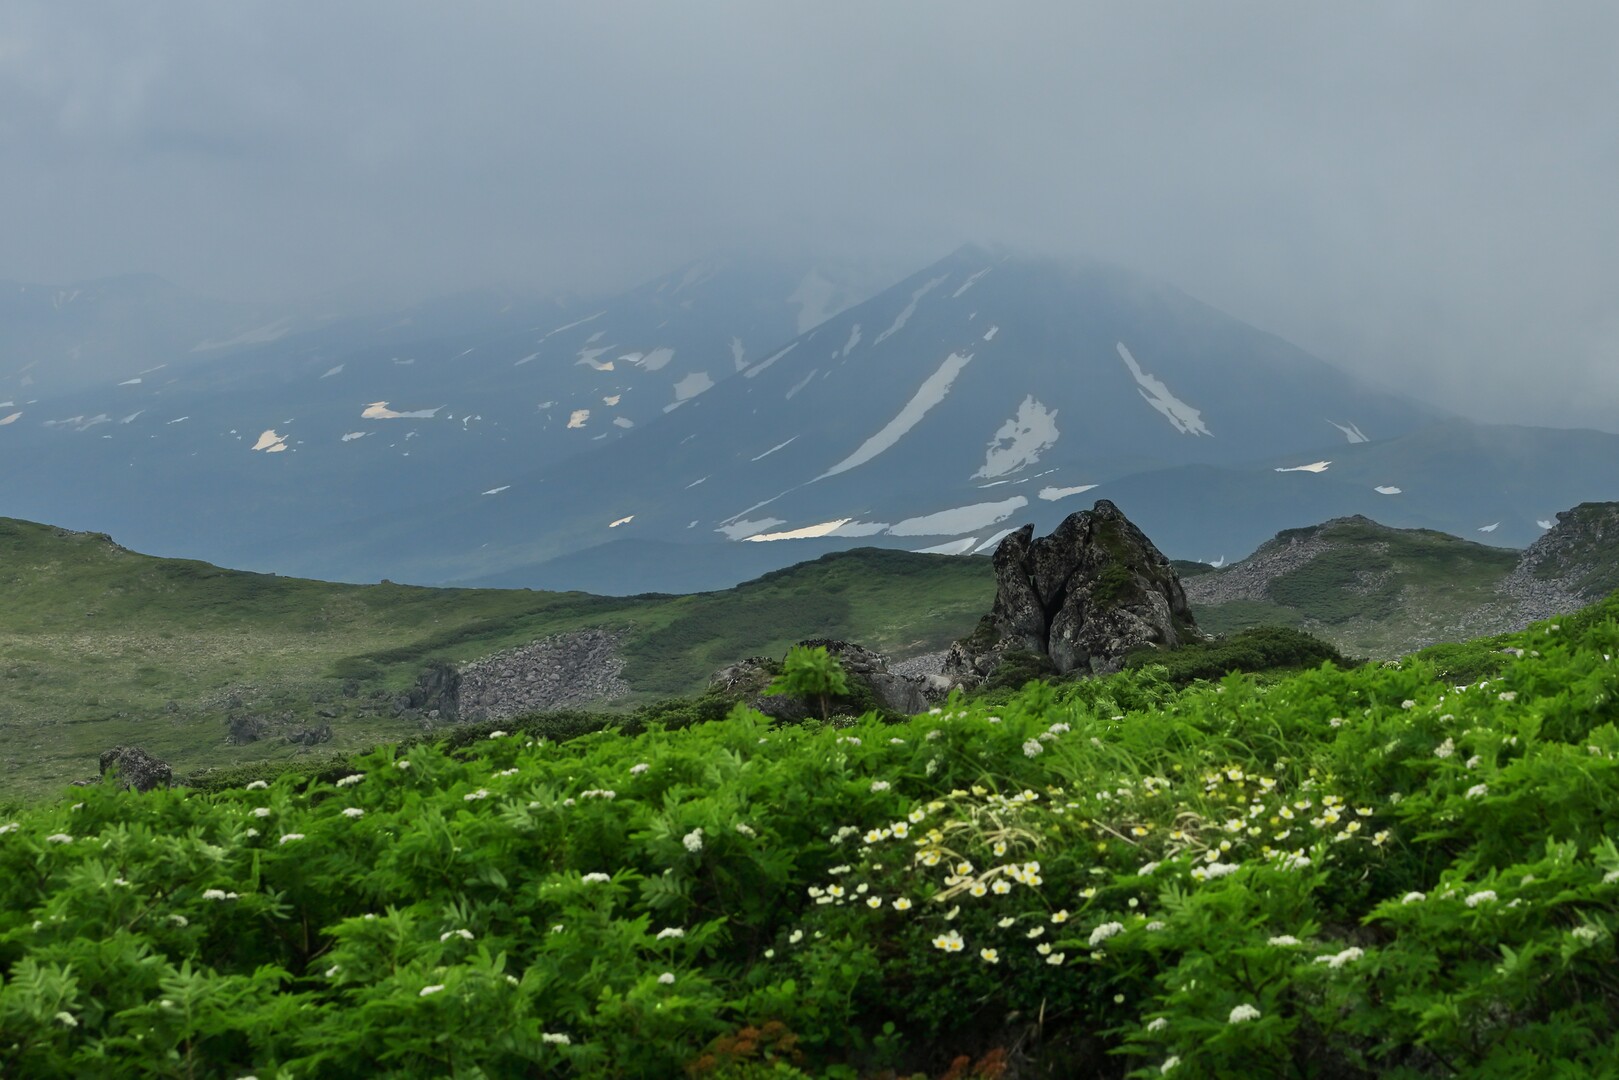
pixel 333 370
pixel 621 521
pixel 960 519
pixel 1313 467
pixel 351 436
pixel 737 353
pixel 767 361
pixel 989 545
pixel 1387 489
pixel 692 385
pixel 126 420
pixel 270 442
pixel 578 418
pixel 1020 441
pixel 1351 432
pixel 772 450
pixel 952 547
pixel 576 322
pixel 800 384
pixel 498 490
pixel 588 357
pixel 1184 418
pixel 259 335
pixel 12 419
pixel 136 381
pixel 1489 528
pixel 623 422
pixel 651 361
pixel 989 335
pixel 854 339
pixel 1052 494
pixel 910 309
pixel 970 282
pixel 930 393
pixel 815 298
pixel 378 410
pixel 808 532
pixel 741 530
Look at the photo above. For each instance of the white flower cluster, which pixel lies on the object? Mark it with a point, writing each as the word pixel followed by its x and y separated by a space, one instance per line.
pixel 693 840
pixel 217 894
pixel 1244 1013
pixel 351 780
pixel 353 812
pixel 598 793
pixel 670 932
pixel 1032 748
pixel 880 785
pixel 639 768
pixel 1338 960
pixel 290 837
pixel 481 793
pixel 1105 931
pixel 595 878
pixel 555 1038
pixel 448 934
pixel 257 785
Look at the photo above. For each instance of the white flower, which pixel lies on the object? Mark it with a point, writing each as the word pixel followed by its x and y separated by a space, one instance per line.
pixel 1484 896
pixel 216 894
pixel 497 734
pixel 1338 960
pixel 257 785
pixel 1283 939
pixel 1445 749
pixel 935 733
pixel 880 785
pixel 179 920
pixel 1610 877
pixel 639 768
pixel 671 932
pixel 508 772
pixel 331 972
pixel 481 793
pixel 66 1019
pixel 1586 934
pixel 1032 748
pixel 1058 729
pixel 351 780
pixel 1158 1024
pixel 1105 931
pixel 950 942
pixel 989 956
pixel 693 840
pixel 1244 1013
pixel 795 937
pixel 431 989
pixel 1508 695
pixel 554 1038
pixel 1413 898
pixel 448 934
pixel 353 812
pixel 1473 762
pixel 593 878
pixel 261 811
pixel 745 830
pixel 1477 790
pixel 10 826
pixel 289 837
pixel 1408 704
pixel 251 833
pixel 667 978
pixel 405 765
pixel 59 838
pixel 1172 1060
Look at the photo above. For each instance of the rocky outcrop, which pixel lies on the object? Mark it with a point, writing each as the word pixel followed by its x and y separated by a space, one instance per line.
pixel 1083 597
pixel 135 769
pixel 870 682
pixel 557 672
pixel 437 692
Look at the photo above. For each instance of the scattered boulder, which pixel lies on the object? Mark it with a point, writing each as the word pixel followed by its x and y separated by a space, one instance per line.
pixel 246 728
pixel 310 736
pixel 437 687
pixel 135 768
pixel 558 672
pixel 870 682
pixel 1083 597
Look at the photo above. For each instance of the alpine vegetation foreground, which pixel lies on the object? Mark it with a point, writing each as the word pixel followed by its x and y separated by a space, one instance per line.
pixel 1369 872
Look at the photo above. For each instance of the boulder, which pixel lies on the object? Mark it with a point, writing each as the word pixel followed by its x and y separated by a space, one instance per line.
pixel 867 673
pixel 1083 597
pixel 135 768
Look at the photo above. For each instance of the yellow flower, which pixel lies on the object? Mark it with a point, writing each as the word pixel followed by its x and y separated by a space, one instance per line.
pixel 1087 893
pixel 989 956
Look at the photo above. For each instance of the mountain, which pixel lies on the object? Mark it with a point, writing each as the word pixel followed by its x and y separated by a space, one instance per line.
pixel 297 436
pixel 984 390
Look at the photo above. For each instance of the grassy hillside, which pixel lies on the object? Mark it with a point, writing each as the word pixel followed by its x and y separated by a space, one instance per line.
pixel 100 646
pixel 1349 874
pixel 1369 589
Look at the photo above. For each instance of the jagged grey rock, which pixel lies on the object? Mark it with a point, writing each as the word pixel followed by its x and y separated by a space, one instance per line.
pixel 135 768
pixel 1083 597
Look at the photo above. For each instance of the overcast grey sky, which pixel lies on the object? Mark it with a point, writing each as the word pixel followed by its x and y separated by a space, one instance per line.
pixel 1420 191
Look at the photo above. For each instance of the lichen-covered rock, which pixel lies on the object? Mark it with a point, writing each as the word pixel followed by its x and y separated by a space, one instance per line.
pixel 1085 596
pixel 135 768
pixel 870 682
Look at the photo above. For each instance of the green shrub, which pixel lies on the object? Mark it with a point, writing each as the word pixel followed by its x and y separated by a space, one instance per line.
pixel 1264 648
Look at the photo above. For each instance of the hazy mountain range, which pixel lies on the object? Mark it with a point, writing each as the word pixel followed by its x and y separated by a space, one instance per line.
pixel 725 419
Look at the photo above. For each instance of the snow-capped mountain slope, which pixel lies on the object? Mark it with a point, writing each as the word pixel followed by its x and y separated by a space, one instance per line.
pixel 984 391
pixel 222 458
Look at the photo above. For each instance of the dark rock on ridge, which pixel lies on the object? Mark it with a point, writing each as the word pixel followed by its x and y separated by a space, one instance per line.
pixel 135 768
pixel 870 683
pixel 1086 595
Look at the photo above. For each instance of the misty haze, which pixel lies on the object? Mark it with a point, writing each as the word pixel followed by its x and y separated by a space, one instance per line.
pixel 658 539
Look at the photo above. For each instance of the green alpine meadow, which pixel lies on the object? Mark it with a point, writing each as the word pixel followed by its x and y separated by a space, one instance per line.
pixel 1383 870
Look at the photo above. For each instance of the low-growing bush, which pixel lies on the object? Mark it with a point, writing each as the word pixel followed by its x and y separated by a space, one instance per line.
pixel 1340 873
pixel 1263 648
